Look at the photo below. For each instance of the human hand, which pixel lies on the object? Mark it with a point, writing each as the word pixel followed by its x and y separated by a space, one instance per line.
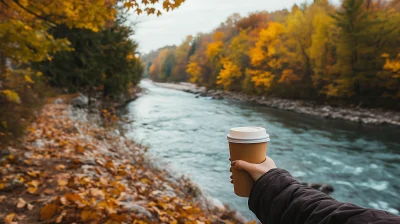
pixel 255 170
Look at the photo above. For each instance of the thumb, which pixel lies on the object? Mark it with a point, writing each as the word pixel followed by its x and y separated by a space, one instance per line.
pixel 242 165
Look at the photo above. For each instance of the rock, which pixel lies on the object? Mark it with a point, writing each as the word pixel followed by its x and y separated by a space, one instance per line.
pixel 138 209
pixel 203 94
pixel 326 188
pixel 168 190
pixel 80 101
pixel 39 143
pixel 4 152
pixel 58 101
pixel 196 96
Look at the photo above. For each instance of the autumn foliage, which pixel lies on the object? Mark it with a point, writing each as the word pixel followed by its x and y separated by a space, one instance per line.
pixel 315 51
pixel 70 171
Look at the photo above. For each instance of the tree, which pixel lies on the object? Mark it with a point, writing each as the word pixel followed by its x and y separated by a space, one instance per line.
pixel 352 20
pixel 266 63
pixel 105 59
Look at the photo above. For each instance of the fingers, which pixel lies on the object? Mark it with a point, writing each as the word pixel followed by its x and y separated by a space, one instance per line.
pixel 242 165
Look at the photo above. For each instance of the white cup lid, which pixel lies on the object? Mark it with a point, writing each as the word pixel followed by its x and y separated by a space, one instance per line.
pixel 248 135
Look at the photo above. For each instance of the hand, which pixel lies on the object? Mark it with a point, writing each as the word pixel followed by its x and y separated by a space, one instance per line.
pixel 255 170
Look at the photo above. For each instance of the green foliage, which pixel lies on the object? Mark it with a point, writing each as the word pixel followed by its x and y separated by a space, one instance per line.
pixel 104 59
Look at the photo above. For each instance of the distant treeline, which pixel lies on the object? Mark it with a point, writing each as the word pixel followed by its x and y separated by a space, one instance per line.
pixel 318 51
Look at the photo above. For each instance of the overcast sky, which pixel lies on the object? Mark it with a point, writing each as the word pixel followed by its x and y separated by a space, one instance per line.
pixel 195 16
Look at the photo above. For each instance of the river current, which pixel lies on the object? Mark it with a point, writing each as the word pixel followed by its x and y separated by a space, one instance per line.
pixel 188 134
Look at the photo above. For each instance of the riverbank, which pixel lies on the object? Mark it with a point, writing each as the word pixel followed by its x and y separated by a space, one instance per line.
pixel 68 169
pixel 360 115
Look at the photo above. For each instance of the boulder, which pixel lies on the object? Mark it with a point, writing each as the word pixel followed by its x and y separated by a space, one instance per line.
pixel 326 188
pixel 80 101
pixel 58 101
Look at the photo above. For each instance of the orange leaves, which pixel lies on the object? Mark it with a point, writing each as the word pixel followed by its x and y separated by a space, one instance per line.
pixel 9 219
pixel 89 215
pixel 288 77
pixel 48 211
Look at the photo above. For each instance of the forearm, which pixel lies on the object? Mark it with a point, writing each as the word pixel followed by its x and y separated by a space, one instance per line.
pixel 278 198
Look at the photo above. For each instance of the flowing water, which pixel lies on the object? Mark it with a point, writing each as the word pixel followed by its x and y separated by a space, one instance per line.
pixel 362 163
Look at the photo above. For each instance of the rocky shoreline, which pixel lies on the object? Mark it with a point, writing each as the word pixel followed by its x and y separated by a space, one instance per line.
pixel 375 116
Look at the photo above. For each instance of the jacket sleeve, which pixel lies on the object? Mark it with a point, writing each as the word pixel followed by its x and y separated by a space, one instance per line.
pixel 278 198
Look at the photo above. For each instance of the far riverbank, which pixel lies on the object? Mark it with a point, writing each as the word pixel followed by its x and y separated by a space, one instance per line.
pixel 375 116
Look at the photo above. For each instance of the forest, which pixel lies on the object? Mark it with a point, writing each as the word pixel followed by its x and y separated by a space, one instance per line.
pixel 348 53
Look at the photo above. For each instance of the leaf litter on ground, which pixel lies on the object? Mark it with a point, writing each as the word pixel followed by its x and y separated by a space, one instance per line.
pixel 71 171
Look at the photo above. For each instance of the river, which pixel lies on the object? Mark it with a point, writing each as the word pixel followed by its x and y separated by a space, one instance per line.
pixel 188 134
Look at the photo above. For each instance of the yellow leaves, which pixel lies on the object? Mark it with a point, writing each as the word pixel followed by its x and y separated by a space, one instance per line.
pixel 392 65
pixel 28 79
pixel 48 211
pixel 195 71
pixel 213 50
pixel 89 215
pixel 228 73
pixel 33 186
pixel 11 96
pixel 262 79
pixel 130 57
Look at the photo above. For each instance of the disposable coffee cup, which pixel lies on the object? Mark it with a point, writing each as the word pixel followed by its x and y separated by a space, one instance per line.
pixel 248 144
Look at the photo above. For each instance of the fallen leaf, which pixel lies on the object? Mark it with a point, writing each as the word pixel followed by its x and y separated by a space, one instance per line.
pixel 60 167
pixel 97 193
pixel 59 218
pixel 2 197
pixel 2 186
pixel 103 181
pixel 32 190
pixel 49 191
pixel 34 183
pixel 79 149
pixel 118 218
pixel 62 182
pixel 21 203
pixel 89 215
pixel 20 217
pixel 48 211
pixel 187 207
pixel 9 219
pixel 144 180
pixel 34 173
pixel 30 207
pixel 72 197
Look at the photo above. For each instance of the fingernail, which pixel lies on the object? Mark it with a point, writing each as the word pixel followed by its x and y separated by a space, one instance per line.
pixel 233 163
